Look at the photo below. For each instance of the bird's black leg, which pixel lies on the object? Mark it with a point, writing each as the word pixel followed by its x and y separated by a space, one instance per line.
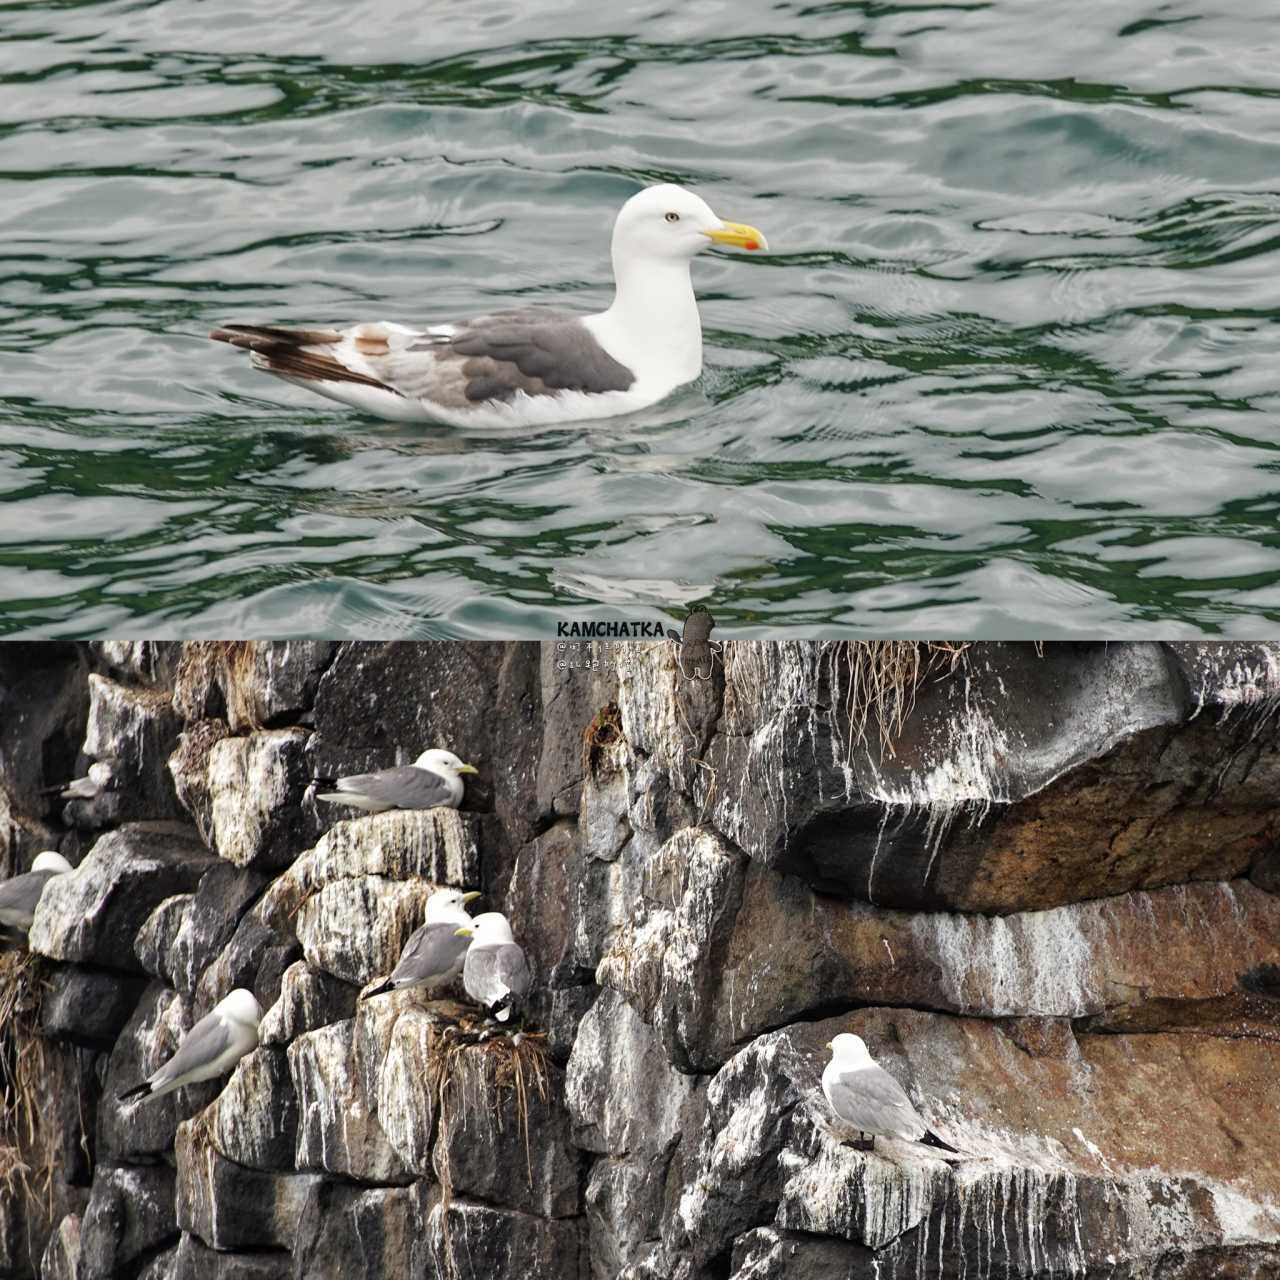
pixel 865 1142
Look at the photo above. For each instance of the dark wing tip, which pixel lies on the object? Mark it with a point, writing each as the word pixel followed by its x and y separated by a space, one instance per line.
pixel 137 1091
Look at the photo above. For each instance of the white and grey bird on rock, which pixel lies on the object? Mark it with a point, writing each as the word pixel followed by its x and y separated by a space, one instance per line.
pixel 869 1099
pixel 433 956
pixel 534 364
pixel 432 780
pixel 211 1048
pixel 20 894
pixel 495 973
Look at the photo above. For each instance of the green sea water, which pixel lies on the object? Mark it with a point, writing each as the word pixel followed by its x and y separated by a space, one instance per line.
pixel 1010 368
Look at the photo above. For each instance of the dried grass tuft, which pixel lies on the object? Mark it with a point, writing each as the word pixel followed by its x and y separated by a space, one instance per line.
pixel 230 664
pixel 469 1067
pixel 28 1148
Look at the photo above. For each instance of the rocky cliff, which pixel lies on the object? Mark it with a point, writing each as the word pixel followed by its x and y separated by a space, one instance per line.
pixel 1040 883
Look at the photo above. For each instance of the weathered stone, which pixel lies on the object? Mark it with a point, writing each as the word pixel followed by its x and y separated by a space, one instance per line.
pixel 92 914
pixel 151 1036
pixel 257 785
pixel 546 874
pixel 309 999
pixel 231 1207
pixel 137 729
pixel 346 1233
pixel 149 662
pixel 61 1260
pixel 254 1120
pixel 480 1242
pixel 87 1006
pixel 1023 782
pixel 189 767
pixel 622 1094
pixel 156 943
pixel 577 681
pixel 253 684
pixel 624 1203
pixel 256 957
pixel 334 1070
pixel 194 1261
pixel 356 929
pixel 131 1212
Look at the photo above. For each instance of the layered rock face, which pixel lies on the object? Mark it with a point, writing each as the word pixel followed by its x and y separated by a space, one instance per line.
pixel 1041 885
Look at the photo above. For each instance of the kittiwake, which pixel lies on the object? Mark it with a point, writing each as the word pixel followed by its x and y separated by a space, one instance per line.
pixel 867 1097
pixel 431 780
pixel 534 364
pixel 433 955
pixel 211 1048
pixel 495 973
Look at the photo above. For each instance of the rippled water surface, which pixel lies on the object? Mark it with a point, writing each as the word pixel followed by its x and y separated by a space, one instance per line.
pixel 1010 369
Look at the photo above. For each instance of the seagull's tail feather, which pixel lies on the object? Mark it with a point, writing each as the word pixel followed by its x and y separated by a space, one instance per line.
pixel 377 991
pixel 291 353
pixel 138 1090
pixel 931 1139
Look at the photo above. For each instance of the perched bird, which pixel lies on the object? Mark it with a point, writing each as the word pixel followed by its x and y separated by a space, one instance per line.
pixel 20 894
pixel 531 365
pixel 431 780
pixel 870 1099
pixel 433 955
pixel 495 973
pixel 99 775
pixel 211 1048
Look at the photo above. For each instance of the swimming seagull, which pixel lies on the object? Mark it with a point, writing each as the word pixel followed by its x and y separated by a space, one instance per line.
pixel 533 364
pixel 434 953
pixel 430 781
pixel 211 1048
pixel 870 1099
pixel 495 972
pixel 20 894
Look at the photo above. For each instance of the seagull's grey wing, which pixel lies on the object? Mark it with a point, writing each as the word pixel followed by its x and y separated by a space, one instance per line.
pixel 495 357
pixel 874 1102
pixel 207 1041
pixel 511 968
pixel 407 787
pixel 431 952
pixel 19 897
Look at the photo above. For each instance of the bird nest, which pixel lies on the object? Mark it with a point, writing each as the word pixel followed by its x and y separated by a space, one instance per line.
pixel 471 1066
pixel 27 1146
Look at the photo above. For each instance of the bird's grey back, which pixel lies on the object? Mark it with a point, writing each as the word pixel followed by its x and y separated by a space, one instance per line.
pixel 21 895
pixel 433 950
pixel 404 787
pixel 210 1038
pixel 872 1100
pixel 531 350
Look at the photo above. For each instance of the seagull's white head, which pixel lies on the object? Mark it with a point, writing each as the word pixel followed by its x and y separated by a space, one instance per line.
pixel 241 1006
pixel 445 763
pixel 50 861
pixel 450 904
pixel 667 221
pixel 849 1052
pixel 489 929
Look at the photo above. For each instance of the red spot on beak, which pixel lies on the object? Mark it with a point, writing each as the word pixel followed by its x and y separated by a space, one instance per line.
pixel 751 244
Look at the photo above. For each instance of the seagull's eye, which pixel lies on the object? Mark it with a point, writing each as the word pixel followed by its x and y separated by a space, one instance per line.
pixel 673 217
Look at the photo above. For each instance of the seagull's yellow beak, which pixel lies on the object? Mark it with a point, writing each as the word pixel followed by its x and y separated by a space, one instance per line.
pixel 465 932
pixel 472 895
pixel 739 235
pixel 467 768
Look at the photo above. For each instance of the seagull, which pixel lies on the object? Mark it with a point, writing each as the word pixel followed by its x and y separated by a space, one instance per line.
pixel 98 777
pixel 530 365
pixel 430 781
pixel 867 1097
pixel 211 1048
pixel 495 972
pixel 434 953
pixel 20 894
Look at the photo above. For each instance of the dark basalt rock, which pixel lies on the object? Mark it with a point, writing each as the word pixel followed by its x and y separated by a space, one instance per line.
pixel 480 1241
pixel 131 1212
pixel 88 1006
pixel 192 1260
pixel 346 1233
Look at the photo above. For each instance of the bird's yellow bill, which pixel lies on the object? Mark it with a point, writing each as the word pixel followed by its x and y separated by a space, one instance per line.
pixel 472 895
pixel 739 235
pixel 466 768
pixel 464 932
